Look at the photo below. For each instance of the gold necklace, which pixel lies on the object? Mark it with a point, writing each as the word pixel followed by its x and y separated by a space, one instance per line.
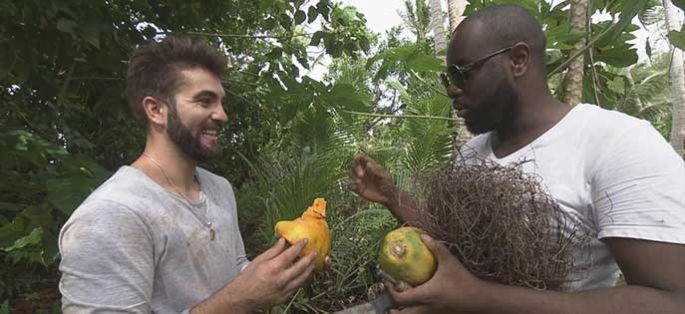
pixel 205 222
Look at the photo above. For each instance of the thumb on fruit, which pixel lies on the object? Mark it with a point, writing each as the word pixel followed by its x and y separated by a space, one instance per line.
pixel 438 249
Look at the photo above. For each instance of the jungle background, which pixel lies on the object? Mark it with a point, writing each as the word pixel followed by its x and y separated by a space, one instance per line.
pixel 65 125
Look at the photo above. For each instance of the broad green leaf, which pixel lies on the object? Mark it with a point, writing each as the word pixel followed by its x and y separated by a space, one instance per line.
pixel 12 231
pixel 364 44
pixel 677 39
pixel 630 9
pixel 324 10
pixel 40 216
pixel 617 85
pixel 33 238
pixel 618 57
pixel 275 53
pixel 67 193
pixel 294 100
pixel 332 46
pixel 270 23
pixel 285 21
pixel 87 167
pixel 554 33
pixel 311 14
pixel 300 17
pixel 425 63
pixel 316 38
pixel 571 38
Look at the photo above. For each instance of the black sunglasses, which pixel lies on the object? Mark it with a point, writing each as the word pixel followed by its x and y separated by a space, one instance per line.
pixel 459 74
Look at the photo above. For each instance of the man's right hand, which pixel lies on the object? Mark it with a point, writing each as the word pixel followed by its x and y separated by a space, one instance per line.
pixel 371 181
pixel 271 278
pixel 451 289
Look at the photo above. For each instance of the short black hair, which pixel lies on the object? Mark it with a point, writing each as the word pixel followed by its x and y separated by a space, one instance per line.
pixel 509 24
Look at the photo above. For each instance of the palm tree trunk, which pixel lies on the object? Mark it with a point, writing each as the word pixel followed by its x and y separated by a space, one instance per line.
pixel 456 11
pixel 574 77
pixel 461 136
pixel 677 83
pixel 437 24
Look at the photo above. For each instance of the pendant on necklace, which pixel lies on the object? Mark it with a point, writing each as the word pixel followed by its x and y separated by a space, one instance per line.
pixel 212 233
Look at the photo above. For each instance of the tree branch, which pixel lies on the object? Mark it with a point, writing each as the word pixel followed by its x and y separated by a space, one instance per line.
pixel 244 36
pixel 411 116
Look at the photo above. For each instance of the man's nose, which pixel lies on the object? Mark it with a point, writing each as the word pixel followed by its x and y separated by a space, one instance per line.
pixel 220 114
pixel 454 92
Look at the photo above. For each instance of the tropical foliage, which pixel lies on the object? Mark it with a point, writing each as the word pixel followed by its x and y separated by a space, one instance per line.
pixel 65 126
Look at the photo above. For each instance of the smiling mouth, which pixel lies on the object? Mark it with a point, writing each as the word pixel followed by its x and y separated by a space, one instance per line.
pixel 211 137
pixel 213 133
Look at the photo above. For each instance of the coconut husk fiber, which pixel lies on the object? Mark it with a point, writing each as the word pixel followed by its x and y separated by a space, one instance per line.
pixel 500 223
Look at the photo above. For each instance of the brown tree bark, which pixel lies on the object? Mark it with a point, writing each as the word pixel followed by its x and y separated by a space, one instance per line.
pixel 573 90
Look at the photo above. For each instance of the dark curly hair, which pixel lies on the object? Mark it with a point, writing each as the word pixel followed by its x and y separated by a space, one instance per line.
pixel 154 69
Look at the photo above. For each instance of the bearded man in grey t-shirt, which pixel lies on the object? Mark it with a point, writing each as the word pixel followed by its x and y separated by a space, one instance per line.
pixel 161 235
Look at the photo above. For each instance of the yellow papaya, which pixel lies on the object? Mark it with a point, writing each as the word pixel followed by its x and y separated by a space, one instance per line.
pixel 405 258
pixel 311 226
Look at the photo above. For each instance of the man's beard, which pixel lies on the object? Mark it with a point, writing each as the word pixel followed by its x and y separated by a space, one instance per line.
pixel 184 139
pixel 494 110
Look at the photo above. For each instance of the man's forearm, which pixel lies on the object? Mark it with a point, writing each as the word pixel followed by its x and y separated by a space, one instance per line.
pixel 226 300
pixel 404 208
pixel 496 298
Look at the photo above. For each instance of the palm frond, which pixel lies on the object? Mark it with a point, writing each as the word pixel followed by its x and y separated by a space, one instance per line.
pixel 652 13
pixel 656 111
pixel 429 141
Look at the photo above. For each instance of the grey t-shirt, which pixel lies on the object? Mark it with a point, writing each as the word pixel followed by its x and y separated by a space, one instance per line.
pixel 134 247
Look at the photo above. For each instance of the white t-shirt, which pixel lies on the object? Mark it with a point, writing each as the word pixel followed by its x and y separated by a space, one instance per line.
pixel 614 174
pixel 134 247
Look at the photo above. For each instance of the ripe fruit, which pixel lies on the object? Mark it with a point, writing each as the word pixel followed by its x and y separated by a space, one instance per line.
pixel 405 258
pixel 311 226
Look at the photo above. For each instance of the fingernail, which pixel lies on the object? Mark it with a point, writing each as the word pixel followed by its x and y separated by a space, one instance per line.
pixel 426 237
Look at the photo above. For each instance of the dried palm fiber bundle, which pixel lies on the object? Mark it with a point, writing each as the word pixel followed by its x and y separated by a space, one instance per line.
pixel 500 223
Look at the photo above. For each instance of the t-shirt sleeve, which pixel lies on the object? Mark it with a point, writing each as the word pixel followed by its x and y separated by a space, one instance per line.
pixel 107 261
pixel 241 257
pixel 638 188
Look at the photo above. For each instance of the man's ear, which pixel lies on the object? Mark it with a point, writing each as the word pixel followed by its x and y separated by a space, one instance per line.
pixel 520 59
pixel 155 110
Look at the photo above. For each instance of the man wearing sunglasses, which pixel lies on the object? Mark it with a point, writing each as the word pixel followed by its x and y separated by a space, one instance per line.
pixel 614 173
